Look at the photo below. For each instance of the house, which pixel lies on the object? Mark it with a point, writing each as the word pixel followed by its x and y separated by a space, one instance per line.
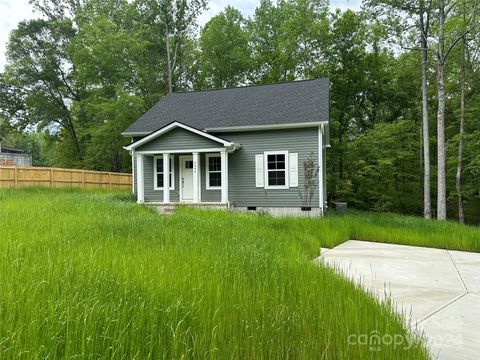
pixel 14 157
pixel 237 148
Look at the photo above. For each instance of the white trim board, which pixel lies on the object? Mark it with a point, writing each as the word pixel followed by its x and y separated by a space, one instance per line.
pixel 172 126
pixel 172 168
pixel 183 151
pixel 207 171
pixel 266 171
pixel 247 128
pixel 266 127
pixel 321 183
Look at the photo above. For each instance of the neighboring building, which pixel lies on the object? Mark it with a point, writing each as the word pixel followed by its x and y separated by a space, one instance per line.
pixel 14 157
pixel 242 148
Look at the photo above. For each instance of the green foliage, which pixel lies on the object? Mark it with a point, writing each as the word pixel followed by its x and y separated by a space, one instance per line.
pixel 287 39
pixel 224 50
pixel 106 143
pixel 383 169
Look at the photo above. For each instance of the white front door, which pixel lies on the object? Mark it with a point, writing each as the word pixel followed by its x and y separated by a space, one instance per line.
pixel 186 173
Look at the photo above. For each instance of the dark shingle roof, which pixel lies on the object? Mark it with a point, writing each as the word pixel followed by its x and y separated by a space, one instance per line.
pixel 283 103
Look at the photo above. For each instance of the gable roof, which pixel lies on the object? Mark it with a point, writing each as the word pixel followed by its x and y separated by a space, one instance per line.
pixel 172 126
pixel 296 102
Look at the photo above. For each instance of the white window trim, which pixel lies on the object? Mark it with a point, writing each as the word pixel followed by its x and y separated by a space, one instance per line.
pixel 207 172
pixel 265 167
pixel 172 168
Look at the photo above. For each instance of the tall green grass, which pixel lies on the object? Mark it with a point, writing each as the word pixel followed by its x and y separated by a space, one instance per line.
pixel 333 230
pixel 91 275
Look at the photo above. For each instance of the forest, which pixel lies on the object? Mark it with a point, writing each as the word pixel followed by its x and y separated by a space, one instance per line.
pixel 404 97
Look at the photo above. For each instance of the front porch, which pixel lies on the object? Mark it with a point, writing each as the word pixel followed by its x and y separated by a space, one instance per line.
pixel 179 164
pixel 195 178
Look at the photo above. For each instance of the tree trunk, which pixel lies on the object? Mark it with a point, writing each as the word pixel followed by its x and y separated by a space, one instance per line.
pixel 68 124
pixel 441 188
pixel 427 207
pixel 458 178
pixel 169 61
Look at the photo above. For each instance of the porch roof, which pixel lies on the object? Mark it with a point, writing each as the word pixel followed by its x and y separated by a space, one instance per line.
pixel 222 143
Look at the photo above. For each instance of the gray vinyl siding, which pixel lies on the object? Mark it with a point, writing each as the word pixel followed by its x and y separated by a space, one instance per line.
pixel 178 139
pixel 242 190
pixel 157 195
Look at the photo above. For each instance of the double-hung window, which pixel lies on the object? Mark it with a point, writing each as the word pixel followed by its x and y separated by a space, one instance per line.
pixel 158 172
pixel 276 169
pixel 213 171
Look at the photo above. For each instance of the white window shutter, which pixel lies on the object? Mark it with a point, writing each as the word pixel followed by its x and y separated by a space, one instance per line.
pixel 293 169
pixel 259 175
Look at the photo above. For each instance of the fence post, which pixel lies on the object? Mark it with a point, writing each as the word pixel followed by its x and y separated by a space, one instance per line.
pixel 109 180
pixel 15 175
pixel 51 177
pixel 83 179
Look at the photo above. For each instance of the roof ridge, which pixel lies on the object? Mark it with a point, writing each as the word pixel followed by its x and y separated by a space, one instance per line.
pixel 246 86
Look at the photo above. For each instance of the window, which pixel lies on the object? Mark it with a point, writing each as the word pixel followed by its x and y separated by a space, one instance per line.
pixel 213 171
pixel 276 166
pixel 158 172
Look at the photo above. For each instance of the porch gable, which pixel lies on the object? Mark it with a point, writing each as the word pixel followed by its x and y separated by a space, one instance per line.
pixel 175 137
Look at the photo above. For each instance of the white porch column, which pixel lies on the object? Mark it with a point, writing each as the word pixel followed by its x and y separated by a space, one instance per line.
pixel 132 153
pixel 166 178
pixel 224 169
pixel 140 182
pixel 196 178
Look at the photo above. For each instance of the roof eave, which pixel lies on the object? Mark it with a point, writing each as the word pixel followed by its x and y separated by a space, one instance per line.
pixel 267 127
pixel 135 133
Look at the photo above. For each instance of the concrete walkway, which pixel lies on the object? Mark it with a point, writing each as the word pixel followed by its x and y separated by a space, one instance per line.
pixel 437 290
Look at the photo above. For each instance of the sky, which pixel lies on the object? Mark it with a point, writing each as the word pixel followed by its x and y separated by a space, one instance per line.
pixel 14 11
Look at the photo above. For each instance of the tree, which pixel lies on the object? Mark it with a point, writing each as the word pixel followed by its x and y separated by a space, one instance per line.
pixel 465 27
pixel 310 183
pixel 288 39
pixel 458 176
pixel 41 69
pixel 445 9
pixel 398 14
pixel 382 168
pixel 175 20
pixel 225 53
pixel 441 57
pixel 424 10
pixel 346 67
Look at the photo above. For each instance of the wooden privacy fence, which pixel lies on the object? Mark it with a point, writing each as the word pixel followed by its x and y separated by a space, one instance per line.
pixel 23 176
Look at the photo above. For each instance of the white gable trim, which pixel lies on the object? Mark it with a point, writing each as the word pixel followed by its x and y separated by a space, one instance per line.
pixel 267 127
pixel 250 128
pixel 172 126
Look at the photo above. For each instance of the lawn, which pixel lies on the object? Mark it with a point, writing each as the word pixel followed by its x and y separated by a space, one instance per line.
pixel 93 275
